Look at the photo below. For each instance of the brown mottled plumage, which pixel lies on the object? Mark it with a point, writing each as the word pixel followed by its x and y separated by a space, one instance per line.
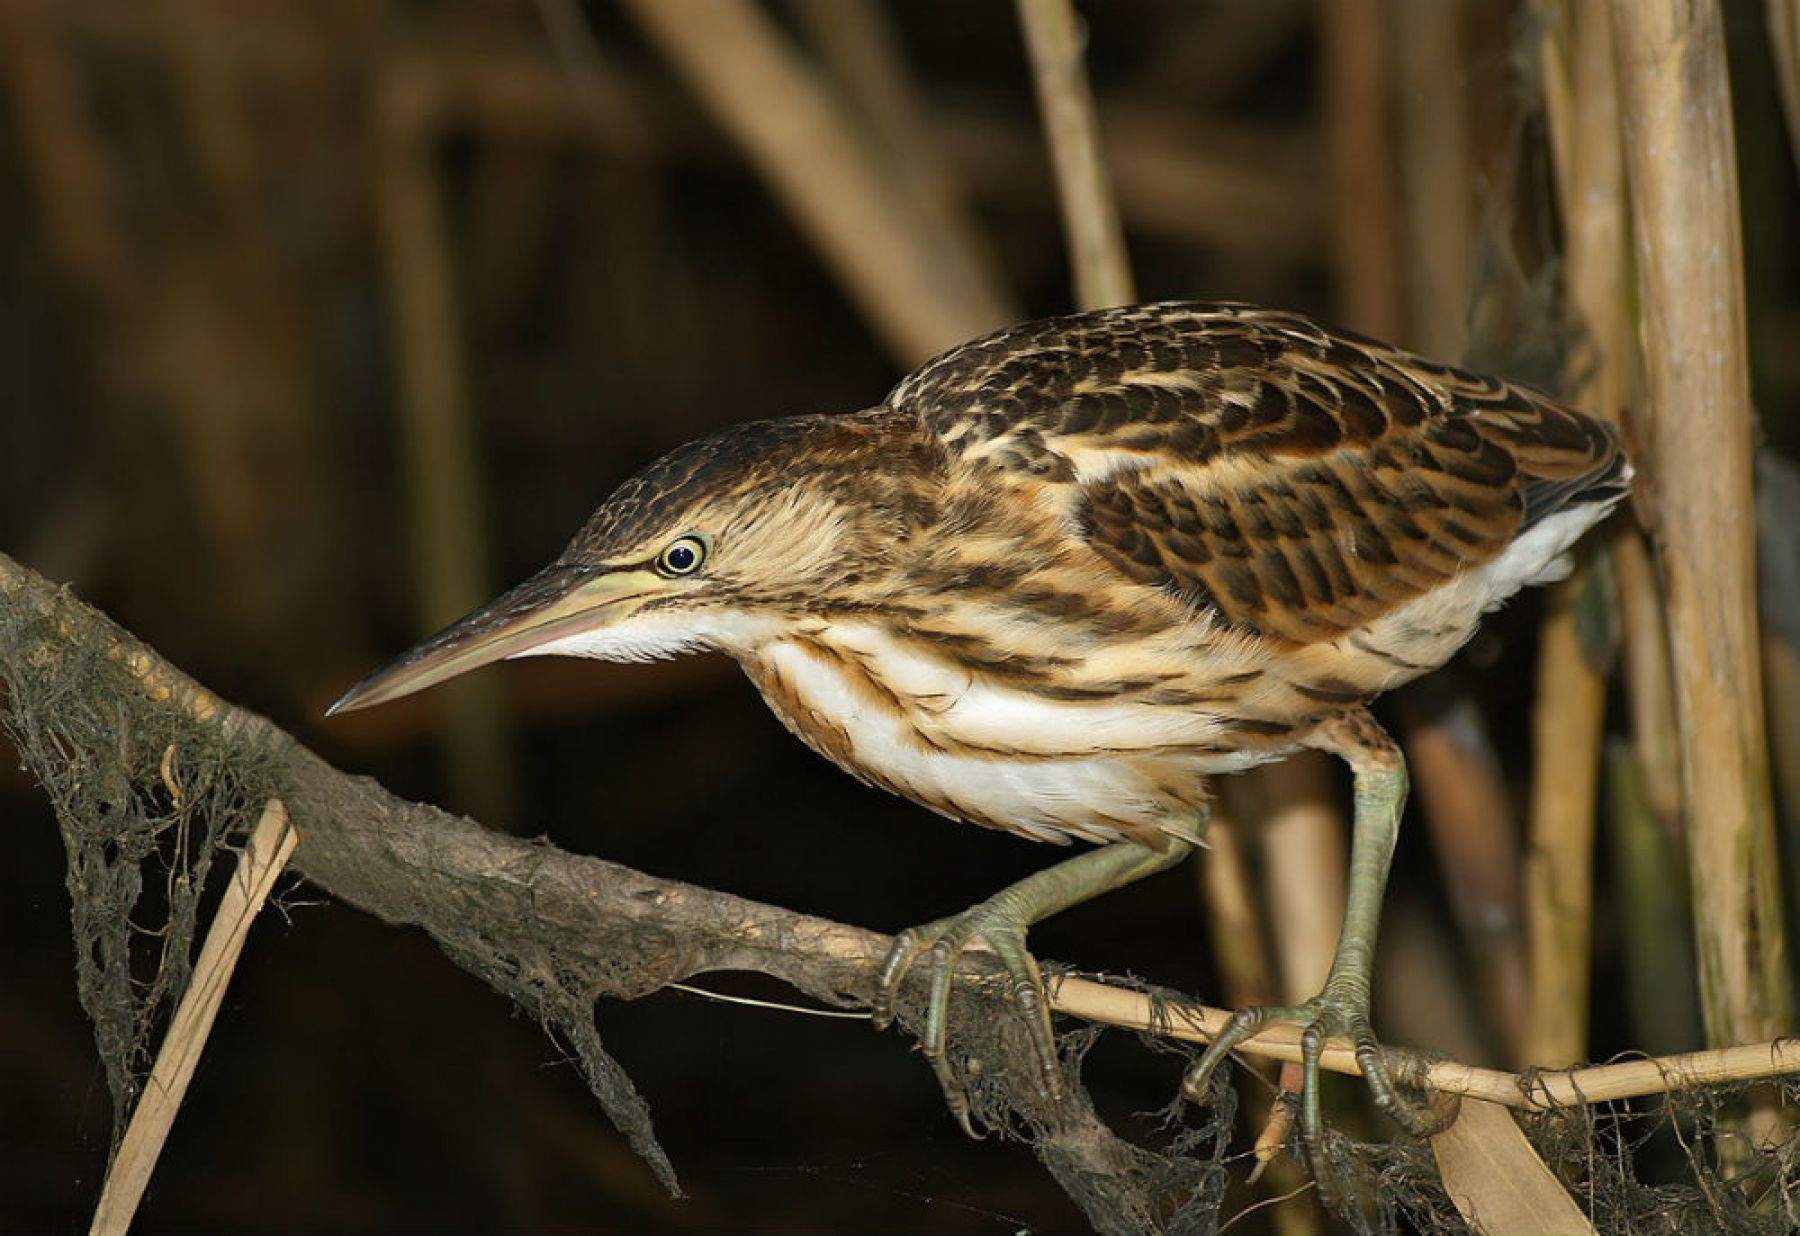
pixel 1067 571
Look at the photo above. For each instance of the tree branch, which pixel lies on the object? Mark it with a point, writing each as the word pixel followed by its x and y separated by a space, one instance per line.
pixel 557 931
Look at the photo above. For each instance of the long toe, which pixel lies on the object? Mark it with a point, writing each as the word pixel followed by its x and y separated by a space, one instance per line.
pixel 905 950
pixel 1002 921
pixel 937 948
pixel 1340 1014
pixel 1197 1085
pixel 1332 1014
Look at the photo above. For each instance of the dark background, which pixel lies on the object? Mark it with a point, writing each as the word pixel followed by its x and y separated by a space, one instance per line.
pixel 201 379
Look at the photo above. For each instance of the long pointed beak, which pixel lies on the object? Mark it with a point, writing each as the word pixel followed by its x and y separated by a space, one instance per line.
pixel 558 601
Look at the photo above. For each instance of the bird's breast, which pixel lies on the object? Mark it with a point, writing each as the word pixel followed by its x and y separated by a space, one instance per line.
pixel 1051 760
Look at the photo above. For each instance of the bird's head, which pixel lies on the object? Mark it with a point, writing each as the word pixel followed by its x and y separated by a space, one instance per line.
pixel 719 544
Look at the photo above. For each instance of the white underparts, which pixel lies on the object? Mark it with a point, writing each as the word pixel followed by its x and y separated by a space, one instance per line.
pixel 1036 771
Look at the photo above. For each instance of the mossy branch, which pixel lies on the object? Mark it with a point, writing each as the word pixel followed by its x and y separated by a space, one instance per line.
pixel 556 931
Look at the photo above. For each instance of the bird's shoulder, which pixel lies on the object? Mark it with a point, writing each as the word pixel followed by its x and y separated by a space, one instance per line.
pixel 1187 382
pixel 1296 480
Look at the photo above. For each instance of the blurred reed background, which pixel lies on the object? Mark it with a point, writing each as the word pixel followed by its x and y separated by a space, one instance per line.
pixel 322 322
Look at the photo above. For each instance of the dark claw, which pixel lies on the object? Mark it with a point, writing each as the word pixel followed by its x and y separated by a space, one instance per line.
pixel 1330 1014
pixel 945 941
pixel 1036 1012
pixel 906 948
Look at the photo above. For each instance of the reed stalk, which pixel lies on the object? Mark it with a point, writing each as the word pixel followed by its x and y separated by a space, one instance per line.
pixel 858 43
pixel 1681 165
pixel 1575 60
pixel 795 131
pixel 445 486
pixel 1090 219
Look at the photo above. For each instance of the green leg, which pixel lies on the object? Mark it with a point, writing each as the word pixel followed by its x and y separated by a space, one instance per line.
pixel 1341 1009
pixel 1002 921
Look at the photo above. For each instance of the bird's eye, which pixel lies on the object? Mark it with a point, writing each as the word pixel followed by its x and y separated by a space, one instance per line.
pixel 682 556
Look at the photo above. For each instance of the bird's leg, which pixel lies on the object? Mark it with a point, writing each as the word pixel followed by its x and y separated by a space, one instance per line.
pixel 1341 1009
pixel 1002 921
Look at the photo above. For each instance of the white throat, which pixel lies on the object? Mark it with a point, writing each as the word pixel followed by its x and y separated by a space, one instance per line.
pixel 658 634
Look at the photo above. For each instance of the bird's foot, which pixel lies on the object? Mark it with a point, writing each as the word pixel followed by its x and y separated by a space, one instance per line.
pixel 1001 926
pixel 1340 1011
pixel 1000 923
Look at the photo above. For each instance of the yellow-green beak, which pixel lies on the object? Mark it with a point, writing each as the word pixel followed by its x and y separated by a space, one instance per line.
pixel 559 601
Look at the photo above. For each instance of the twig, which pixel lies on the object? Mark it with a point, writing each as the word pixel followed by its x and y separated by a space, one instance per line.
pixel 552 931
pixel 1090 219
pixel 264 856
pixel 1529 1091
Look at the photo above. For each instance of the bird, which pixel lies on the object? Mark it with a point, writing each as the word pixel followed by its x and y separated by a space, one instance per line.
pixel 1064 574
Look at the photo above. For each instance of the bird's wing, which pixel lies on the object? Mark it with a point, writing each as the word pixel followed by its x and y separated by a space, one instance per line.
pixel 1298 482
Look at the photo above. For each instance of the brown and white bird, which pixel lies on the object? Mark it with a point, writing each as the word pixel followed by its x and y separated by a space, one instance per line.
pixel 1066 572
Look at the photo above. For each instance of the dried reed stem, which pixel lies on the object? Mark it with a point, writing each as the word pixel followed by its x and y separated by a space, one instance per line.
pixel 1581 98
pixel 1365 250
pixel 1096 244
pixel 1784 44
pixel 1559 874
pixel 858 42
pixel 760 91
pixel 438 440
pixel 75 181
pixel 1682 168
pixel 1576 64
pixel 1305 867
pixel 1240 947
pixel 1649 680
pixel 1237 933
pixel 264 855
pixel 1436 171
pixel 1470 816
pixel 1528 1091
pixel 1653 915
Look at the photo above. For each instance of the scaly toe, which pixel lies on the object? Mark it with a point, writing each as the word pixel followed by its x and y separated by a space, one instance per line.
pixel 1396 1067
pixel 1332 1014
pixel 905 950
pixel 1197 1086
pixel 1344 1015
pixel 939 946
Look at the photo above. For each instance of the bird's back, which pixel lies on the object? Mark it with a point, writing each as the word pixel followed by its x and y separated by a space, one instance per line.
pixel 1298 482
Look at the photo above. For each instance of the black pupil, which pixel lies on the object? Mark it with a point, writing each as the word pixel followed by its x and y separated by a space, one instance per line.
pixel 680 557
